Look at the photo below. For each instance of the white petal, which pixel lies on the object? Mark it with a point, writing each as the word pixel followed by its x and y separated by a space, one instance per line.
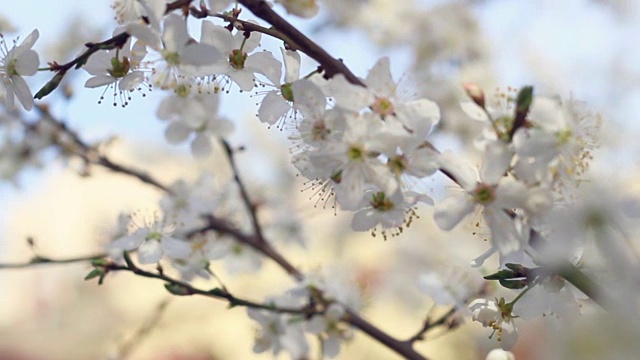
pixel 364 220
pixel 99 80
pixel 175 248
pixel 379 79
pixel 149 252
pixel 464 174
pixel 273 107
pixel 495 161
pixel 28 42
pixel 175 35
pixel 22 91
pixel 28 63
pixel 264 63
pixel 243 78
pixel 291 65
pixel 348 96
pixel 146 34
pixel 450 211
pixel 176 132
pixel 130 81
pixel 200 55
pixel 309 99
pixel 216 36
pixel 201 146
pixel 474 111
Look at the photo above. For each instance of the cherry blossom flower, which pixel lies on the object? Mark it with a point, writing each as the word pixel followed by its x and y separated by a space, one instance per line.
pixel 496 315
pixel 238 63
pixel 279 332
pixel 493 192
pixel 20 61
pixel 331 329
pixel 278 102
pixel 391 212
pixel 557 145
pixel 120 67
pixel 194 115
pixel 152 240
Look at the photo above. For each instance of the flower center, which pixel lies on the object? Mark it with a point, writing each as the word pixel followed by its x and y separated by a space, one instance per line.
pixel 119 68
pixel 484 194
pixel 237 58
pixel 287 92
pixel 383 106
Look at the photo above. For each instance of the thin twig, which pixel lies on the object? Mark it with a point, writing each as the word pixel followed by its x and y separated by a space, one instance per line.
pixel 144 330
pixel 40 260
pixel 92 156
pixel 251 207
pixel 182 288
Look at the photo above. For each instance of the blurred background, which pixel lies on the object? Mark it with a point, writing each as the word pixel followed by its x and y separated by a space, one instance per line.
pixel 582 49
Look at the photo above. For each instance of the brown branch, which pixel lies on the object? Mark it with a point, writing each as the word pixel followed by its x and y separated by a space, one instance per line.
pixel 251 207
pixel 181 288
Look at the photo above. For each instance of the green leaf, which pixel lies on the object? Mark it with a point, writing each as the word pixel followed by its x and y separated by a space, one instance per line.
pixel 50 86
pixel 94 273
pixel 502 274
pixel 525 97
pixel 177 289
pixel 513 284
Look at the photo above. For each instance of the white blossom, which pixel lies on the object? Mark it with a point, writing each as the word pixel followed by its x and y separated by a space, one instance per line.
pixel 17 62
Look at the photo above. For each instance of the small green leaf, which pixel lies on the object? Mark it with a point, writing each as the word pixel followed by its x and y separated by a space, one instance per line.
pixel 513 284
pixel 502 274
pixel 217 292
pixel 50 86
pixel 94 273
pixel 99 262
pixel 177 289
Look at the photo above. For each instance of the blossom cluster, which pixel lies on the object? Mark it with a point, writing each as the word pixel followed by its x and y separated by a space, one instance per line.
pixel 362 146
